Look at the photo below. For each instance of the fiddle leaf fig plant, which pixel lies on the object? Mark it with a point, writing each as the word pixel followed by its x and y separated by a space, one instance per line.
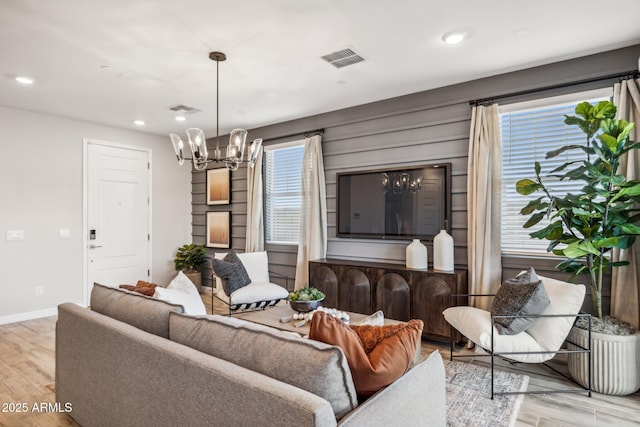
pixel 190 257
pixel 584 227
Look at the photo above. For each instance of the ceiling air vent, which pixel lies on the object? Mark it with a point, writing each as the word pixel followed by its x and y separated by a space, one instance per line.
pixel 342 58
pixel 184 109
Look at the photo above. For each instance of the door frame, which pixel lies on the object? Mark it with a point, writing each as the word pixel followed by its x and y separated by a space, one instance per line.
pixel 86 142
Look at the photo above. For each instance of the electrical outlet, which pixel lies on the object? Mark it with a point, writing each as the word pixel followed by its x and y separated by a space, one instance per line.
pixel 39 291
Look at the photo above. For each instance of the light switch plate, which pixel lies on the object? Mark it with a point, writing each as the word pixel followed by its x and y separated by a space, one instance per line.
pixel 64 233
pixel 15 234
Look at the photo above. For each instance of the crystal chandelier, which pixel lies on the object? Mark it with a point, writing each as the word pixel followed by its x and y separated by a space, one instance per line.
pixel 198 143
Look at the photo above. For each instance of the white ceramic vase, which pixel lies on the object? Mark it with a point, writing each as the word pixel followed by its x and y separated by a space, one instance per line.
pixel 443 251
pixel 416 255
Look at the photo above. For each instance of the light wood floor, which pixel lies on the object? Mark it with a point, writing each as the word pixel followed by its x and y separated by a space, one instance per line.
pixel 27 354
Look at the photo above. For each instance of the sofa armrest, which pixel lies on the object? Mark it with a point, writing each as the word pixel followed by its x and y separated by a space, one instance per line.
pixel 416 398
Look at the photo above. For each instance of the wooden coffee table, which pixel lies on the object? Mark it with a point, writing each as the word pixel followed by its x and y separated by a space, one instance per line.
pixel 271 317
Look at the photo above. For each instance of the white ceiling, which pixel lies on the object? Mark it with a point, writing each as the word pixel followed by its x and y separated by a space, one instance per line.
pixel 114 61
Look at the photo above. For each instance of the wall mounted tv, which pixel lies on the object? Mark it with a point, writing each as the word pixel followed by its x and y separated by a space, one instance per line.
pixel 409 203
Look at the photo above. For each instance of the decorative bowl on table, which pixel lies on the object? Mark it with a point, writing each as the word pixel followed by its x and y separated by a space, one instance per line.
pixel 305 299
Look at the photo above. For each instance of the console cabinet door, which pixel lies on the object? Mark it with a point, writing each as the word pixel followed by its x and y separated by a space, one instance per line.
pixel 392 296
pixel 355 291
pixel 325 280
pixel 431 296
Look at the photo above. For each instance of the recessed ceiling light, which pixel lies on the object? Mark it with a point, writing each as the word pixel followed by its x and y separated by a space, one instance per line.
pixel 181 118
pixel 454 37
pixel 24 80
pixel 139 122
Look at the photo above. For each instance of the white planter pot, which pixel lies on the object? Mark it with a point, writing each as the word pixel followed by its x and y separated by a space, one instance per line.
pixel 615 361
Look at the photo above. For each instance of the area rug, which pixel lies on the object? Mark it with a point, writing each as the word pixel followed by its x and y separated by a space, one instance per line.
pixel 469 395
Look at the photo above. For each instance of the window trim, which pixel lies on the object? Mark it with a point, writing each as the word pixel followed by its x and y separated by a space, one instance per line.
pixel 268 148
pixel 539 103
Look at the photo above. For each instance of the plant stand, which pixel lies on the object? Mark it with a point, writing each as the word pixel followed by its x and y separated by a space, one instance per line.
pixel 615 362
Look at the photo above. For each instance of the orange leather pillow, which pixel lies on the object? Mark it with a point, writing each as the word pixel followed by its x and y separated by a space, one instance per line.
pixel 142 287
pixel 377 355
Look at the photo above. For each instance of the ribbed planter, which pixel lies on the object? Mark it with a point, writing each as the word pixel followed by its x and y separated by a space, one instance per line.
pixel 615 359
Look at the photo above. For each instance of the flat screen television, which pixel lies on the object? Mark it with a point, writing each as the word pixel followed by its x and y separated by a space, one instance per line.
pixel 409 203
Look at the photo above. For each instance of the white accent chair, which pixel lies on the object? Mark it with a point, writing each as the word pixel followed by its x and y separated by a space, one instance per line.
pixel 260 293
pixel 539 343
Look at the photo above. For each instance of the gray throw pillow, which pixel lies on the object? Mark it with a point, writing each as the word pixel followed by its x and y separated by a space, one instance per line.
pixel 233 274
pixel 523 296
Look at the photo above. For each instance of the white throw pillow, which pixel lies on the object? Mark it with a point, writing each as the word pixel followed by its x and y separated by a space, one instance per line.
pixel 182 283
pixel 182 291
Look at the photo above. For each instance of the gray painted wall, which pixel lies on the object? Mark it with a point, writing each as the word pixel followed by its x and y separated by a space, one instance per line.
pixel 421 128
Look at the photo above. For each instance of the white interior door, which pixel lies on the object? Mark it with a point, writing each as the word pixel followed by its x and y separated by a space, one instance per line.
pixel 118 205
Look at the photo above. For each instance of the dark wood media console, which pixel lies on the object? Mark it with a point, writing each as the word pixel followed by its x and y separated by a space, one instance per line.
pixel 401 293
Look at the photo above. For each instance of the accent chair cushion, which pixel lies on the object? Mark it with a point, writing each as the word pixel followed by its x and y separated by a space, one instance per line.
pixel 545 334
pixel 313 366
pixel 260 288
pixel 146 313
pixel 377 355
pixel 522 296
pixel 232 272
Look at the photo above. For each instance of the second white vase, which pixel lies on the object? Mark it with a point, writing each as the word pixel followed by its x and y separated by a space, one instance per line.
pixel 416 255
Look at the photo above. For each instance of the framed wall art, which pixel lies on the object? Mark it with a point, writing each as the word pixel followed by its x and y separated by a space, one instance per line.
pixel 218 186
pixel 219 229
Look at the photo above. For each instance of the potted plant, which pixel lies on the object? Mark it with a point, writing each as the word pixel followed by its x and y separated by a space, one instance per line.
pixel 584 227
pixel 188 258
pixel 306 299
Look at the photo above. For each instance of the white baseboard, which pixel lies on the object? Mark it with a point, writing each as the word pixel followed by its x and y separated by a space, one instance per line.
pixel 30 315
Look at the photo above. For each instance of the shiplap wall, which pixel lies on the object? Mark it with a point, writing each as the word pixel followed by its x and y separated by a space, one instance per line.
pixel 421 128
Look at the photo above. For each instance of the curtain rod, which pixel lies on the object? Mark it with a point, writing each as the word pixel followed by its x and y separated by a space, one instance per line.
pixel 306 134
pixel 622 76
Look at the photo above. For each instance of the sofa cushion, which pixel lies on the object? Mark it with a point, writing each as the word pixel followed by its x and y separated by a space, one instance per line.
pixel 143 312
pixel 313 366
pixel 377 355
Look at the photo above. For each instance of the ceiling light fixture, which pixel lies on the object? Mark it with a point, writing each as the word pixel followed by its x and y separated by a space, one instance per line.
pixel 198 142
pixel 454 37
pixel 24 80
pixel 139 122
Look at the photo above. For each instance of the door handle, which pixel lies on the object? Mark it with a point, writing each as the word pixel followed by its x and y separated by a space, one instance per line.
pixel 94 246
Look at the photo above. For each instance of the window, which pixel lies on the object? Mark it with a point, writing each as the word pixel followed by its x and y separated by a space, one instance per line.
pixel 529 131
pixel 283 192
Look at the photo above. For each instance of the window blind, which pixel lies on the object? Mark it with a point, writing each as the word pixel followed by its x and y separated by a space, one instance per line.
pixel 527 135
pixel 283 194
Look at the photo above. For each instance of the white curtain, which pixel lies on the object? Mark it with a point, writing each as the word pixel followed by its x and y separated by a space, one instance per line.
pixel 255 224
pixel 625 281
pixel 313 219
pixel 483 204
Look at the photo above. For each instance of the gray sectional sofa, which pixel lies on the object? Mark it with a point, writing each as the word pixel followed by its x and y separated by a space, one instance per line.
pixel 132 360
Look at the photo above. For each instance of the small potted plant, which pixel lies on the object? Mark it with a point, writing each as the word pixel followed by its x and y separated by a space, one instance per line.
pixel 306 299
pixel 188 259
